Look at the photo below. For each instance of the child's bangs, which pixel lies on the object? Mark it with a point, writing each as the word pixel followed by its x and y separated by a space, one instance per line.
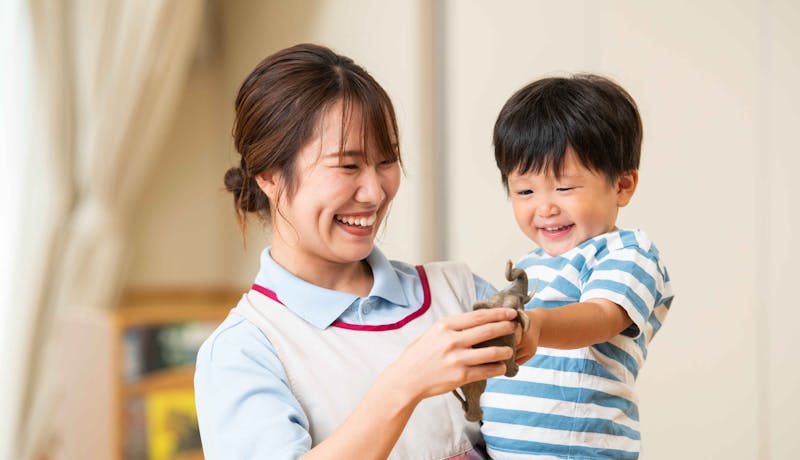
pixel 541 149
pixel 543 161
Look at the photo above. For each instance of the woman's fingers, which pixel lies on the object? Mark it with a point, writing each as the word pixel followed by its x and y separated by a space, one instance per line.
pixel 484 332
pixel 484 371
pixel 478 317
pixel 483 355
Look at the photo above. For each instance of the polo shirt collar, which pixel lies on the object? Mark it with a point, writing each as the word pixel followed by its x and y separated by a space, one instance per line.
pixel 386 283
pixel 321 306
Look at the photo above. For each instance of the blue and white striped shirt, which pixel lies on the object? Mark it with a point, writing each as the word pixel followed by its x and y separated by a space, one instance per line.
pixel 581 403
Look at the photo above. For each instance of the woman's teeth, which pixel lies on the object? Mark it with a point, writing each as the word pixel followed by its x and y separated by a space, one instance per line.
pixel 367 221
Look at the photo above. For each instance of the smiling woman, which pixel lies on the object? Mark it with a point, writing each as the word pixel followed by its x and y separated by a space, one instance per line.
pixel 336 352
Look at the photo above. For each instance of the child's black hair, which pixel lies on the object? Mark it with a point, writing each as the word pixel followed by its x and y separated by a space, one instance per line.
pixel 590 113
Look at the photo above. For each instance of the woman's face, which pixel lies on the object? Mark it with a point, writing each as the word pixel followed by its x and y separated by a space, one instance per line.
pixel 339 201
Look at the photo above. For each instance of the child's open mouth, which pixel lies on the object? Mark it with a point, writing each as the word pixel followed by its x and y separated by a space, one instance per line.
pixel 556 231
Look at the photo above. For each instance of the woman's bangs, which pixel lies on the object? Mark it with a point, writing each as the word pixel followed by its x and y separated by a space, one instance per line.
pixel 377 127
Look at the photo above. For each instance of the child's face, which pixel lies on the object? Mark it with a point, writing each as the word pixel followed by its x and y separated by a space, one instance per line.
pixel 558 214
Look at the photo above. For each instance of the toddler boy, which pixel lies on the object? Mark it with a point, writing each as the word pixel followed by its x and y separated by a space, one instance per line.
pixel 568 152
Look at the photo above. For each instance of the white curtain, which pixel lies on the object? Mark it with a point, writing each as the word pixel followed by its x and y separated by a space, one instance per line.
pixel 109 77
pixel 16 123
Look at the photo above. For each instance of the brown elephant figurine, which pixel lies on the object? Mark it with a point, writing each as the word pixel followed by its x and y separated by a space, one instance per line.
pixel 516 296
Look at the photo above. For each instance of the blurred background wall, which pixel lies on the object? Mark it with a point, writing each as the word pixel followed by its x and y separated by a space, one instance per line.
pixel 716 85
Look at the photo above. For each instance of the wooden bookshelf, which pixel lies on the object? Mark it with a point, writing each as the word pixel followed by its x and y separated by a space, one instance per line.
pixel 169 379
pixel 149 313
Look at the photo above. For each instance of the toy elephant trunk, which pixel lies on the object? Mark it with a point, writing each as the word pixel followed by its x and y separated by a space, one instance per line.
pixel 516 296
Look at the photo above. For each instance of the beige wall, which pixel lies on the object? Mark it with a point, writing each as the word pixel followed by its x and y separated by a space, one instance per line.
pixel 777 218
pixel 715 82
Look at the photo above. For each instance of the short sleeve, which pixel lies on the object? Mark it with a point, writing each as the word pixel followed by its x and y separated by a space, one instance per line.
pixel 633 279
pixel 245 407
pixel 483 289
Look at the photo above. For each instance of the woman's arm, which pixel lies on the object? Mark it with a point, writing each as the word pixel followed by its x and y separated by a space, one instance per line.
pixel 245 407
pixel 437 362
pixel 572 326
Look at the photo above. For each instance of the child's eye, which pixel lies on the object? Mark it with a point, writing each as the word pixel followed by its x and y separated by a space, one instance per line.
pixel 565 189
pixel 525 192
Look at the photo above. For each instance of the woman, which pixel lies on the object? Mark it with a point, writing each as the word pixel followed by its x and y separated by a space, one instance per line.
pixel 336 352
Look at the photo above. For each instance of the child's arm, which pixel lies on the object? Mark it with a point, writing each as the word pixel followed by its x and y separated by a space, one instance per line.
pixel 572 326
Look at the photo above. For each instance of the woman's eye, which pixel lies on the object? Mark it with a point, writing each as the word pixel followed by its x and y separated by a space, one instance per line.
pixel 385 163
pixel 349 166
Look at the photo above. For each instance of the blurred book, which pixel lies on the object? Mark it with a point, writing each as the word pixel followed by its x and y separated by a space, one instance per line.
pixel 172 430
pixel 153 348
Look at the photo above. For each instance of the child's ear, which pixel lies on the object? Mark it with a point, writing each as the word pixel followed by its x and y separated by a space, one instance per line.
pixel 270 182
pixel 626 185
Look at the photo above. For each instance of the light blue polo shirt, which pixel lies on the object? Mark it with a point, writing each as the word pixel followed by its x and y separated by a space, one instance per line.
pixel 244 402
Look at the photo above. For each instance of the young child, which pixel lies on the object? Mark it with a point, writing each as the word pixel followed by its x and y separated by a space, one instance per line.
pixel 568 153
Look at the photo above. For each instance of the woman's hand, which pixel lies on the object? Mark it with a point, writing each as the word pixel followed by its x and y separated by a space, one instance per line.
pixel 443 359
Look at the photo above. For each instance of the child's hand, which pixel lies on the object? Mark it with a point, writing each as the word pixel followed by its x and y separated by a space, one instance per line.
pixel 443 359
pixel 528 341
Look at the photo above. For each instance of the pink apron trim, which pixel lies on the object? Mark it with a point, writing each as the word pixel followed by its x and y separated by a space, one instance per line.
pixel 472 454
pixel 426 303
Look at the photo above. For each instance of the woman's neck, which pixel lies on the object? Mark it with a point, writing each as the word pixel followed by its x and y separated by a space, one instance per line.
pixel 351 277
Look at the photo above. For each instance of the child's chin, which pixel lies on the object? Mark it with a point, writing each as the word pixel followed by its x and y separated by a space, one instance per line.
pixel 556 250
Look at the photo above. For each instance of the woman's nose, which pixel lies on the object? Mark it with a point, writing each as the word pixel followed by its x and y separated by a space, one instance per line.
pixel 370 187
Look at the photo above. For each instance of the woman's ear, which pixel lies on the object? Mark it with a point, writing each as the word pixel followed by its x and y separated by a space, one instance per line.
pixel 270 182
pixel 626 185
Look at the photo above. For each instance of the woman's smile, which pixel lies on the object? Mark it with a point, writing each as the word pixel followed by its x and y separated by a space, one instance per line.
pixel 357 224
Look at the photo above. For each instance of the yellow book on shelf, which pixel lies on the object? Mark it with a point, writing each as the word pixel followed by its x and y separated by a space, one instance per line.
pixel 171 424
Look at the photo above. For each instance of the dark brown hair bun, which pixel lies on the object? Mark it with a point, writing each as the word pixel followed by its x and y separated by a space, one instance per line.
pixel 234 181
pixel 247 196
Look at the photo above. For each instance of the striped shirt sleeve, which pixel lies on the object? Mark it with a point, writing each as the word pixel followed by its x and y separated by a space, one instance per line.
pixel 631 278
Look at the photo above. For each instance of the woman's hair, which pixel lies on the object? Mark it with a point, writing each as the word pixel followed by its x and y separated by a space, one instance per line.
pixel 592 114
pixel 278 109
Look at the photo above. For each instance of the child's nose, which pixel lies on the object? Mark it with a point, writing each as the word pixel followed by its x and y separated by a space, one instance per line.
pixel 547 209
